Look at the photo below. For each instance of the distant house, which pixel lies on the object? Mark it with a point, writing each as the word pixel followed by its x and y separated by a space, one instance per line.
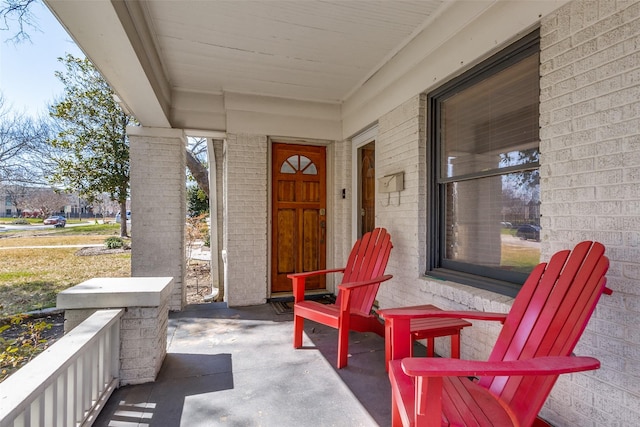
pixel 37 202
pixel 9 209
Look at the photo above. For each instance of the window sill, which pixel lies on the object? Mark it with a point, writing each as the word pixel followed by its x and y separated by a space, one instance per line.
pixel 498 286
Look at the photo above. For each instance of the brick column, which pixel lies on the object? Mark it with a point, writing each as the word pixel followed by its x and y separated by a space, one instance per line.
pixel 245 219
pixel 158 206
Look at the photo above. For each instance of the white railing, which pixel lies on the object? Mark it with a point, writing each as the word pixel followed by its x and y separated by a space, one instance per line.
pixel 68 383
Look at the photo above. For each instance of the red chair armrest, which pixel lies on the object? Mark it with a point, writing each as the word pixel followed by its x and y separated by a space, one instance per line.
pixel 298 280
pixel 314 273
pixel 353 285
pixel 550 365
pixel 406 313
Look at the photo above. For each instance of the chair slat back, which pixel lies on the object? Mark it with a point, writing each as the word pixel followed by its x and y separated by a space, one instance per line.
pixel 547 319
pixel 367 260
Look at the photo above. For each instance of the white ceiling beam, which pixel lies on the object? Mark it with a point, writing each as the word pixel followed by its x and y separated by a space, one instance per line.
pixel 97 28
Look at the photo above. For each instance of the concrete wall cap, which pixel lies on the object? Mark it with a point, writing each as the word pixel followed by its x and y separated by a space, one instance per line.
pixel 116 292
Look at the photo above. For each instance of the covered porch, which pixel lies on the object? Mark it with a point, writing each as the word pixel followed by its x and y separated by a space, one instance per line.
pixel 236 366
pixel 254 77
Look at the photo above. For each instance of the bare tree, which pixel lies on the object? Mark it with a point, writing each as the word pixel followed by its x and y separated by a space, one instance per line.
pixel 46 201
pixel 17 133
pixel 17 195
pixel 41 158
pixel 15 15
pixel 105 206
pixel 197 162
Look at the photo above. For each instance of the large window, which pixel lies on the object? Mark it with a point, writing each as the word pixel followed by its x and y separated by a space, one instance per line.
pixel 485 192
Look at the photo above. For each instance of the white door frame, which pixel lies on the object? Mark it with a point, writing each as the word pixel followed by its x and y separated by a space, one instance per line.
pixel 357 142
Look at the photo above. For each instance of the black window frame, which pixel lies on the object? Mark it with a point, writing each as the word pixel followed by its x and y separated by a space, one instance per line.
pixel 506 283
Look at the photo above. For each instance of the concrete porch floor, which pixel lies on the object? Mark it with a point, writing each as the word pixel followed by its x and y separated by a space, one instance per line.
pixel 237 367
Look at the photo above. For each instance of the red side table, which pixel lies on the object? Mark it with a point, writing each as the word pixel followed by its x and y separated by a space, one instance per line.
pixel 400 333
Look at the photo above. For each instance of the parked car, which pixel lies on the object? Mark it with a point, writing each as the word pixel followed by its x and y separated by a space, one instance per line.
pixel 528 232
pixel 57 221
pixel 118 217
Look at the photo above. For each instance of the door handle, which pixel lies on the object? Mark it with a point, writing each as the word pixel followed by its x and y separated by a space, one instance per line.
pixel 323 228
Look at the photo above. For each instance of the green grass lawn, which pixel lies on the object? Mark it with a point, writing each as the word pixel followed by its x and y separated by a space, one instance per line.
pixel 30 278
pixel 520 259
pixel 100 229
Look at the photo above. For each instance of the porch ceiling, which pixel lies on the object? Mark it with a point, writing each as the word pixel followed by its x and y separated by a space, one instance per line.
pixel 311 69
pixel 176 63
pixel 306 50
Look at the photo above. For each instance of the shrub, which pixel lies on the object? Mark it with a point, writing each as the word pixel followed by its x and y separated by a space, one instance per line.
pixel 196 230
pixel 114 243
pixel 21 222
pixel 197 201
pixel 18 351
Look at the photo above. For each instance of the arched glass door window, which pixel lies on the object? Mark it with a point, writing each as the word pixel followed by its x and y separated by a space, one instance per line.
pixel 298 163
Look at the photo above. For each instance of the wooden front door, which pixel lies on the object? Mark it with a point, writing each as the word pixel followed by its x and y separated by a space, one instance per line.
pixel 367 188
pixel 298 242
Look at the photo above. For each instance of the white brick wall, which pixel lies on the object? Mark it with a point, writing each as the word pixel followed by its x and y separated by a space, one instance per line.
pixel 590 176
pixel 143 343
pixel 158 208
pixel 400 147
pixel 245 229
pixel 590 188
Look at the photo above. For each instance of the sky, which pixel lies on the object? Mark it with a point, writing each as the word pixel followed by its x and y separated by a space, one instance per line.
pixel 27 79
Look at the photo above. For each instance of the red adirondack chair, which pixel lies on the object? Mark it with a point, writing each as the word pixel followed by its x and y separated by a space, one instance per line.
pixel 356 293
pixel 535 345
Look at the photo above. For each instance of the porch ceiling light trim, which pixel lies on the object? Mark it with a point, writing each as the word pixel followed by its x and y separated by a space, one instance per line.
pixel 213 134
